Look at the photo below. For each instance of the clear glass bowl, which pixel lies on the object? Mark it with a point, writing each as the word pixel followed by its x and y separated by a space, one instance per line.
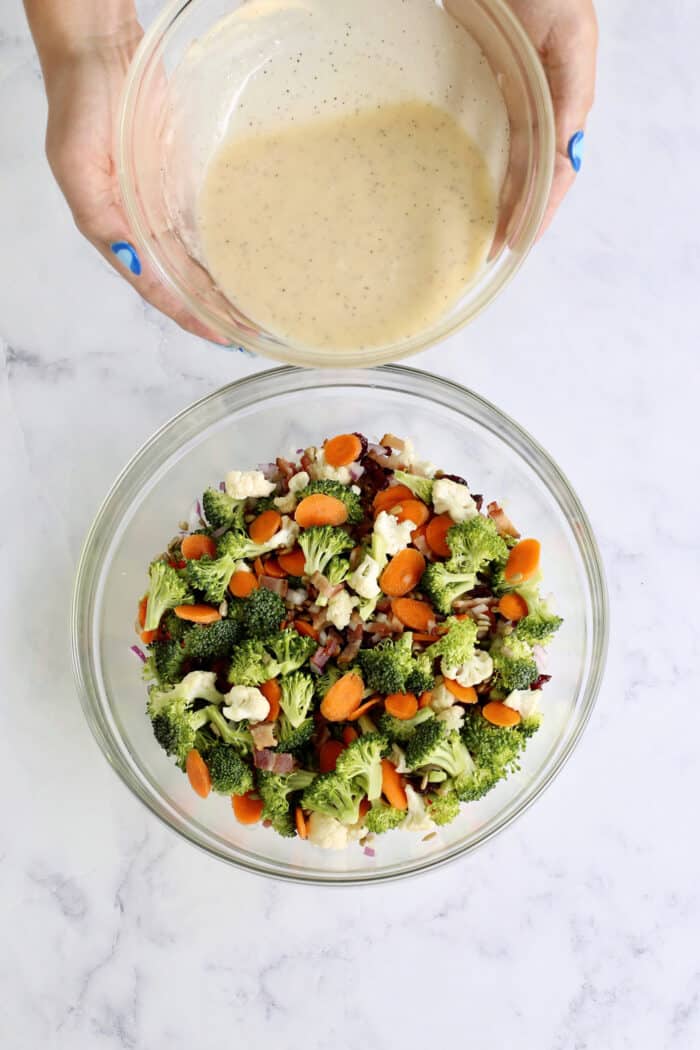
pixel 250 422
pixel 178 101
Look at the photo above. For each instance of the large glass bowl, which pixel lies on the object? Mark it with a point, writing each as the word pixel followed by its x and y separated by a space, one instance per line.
pixel 181 91
pixel 250 422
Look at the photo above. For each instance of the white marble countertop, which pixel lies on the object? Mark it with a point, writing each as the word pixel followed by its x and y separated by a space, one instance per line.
pixel 577 928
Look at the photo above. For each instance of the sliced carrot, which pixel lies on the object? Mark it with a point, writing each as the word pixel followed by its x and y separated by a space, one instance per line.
pixel 393 786
pixel 271 567
pixel 426 699
pixel 302 830
pixel 272 693
pixel 349 735
pixel 466 694
pixel 401 705
pixel 328 755
pixel 143 605
pixel 365 806
pixel 320 509
pixel 523 561
pixel 512 606
pixel 426 636
pixel 343 698
pixel 410 510
pixel 293 563
pixel 403 573
pixel 388 498
pixel 197 613
pixel 148 637
pixel 258 567
pixel 247 810
pixel 242 583
pixel 307 629
pixel 367 706
pixel 436 535
pixel 418 534
pixel 343 449
pixel 500 715
pixel 195 547
pixel 198 773
pixel 264 527
pixel 419 616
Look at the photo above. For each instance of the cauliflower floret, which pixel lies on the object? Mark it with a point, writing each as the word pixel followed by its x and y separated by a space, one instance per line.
pixel 450 497
pixel 442 697
pixel 285 504
pixel 453 717
pixel 365 579
pixel 199 685
pixel 416 818
pixel 327 832
pixel 474 671
pixel 392 535
pixel 248 484
pixel 286 535
pixel 299 481
pixel 525 701
pixel 398 758
pixel 340 609
pixel 322 471
pixel 245 701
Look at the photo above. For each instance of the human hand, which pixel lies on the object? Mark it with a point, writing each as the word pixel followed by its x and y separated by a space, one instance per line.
pixel 565 35
pixel 83 87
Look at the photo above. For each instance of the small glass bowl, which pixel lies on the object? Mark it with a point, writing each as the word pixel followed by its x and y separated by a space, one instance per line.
pixel 174 107
pixel 251 422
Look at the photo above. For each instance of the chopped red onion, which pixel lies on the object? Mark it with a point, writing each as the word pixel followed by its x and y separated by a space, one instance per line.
pixel 369 852
pixel 222 486
pixel 540 658
pixel 319 660
pixel 356 471
pixel 139 652
pixel 270 470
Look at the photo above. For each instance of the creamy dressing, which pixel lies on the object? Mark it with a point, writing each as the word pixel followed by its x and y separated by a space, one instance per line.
pixel 353 196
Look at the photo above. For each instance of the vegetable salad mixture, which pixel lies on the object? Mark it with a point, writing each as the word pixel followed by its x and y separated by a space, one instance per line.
pixel 346 643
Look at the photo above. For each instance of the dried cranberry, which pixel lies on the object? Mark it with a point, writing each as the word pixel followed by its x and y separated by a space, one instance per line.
pixel 540 681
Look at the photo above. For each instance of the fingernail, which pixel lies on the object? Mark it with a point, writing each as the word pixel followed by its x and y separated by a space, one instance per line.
pixel 127 255
pixel 575 150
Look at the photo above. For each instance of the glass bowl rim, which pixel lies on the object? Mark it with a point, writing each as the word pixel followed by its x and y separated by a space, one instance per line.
pixel 296 354
pixel 271 383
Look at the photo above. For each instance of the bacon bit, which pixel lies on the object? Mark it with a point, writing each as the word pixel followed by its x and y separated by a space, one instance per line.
pixel 273 762
pixel 272 583
pixel 354 644
pixel 504 525
pixel 263 735
pixel 306 462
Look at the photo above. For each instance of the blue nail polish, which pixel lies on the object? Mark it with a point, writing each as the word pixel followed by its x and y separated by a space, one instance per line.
pixel 239 350
pixel 127 256
pixel 575 150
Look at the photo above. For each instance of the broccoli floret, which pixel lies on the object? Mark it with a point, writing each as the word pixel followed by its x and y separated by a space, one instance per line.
pixel 289 651
pixel 339 491
pixel 513 663
pixel 432 745
pixel 443 808
pixel 174 627
pixel 175 722
pixel 320 545
pixel 275 791
pixel 381 817
pixel 291 739
pixel 166 590
pixel 495 751
pixel 251 664
pixel 221 510
pixel 456 647
pixel 474 544
pixel 420 487
pixel 235 733
pixel 238 546
pixel 167 661
pixel 362 762
pixel 263 613
pixel 540 625
pixel 421 679
pixel 207 642
pixel 297 691
pixel 401 729
pixel 211 576
pixel 386 668
pixel 334 795
pixel 444 584
pixel 230 775
pixel 337 571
